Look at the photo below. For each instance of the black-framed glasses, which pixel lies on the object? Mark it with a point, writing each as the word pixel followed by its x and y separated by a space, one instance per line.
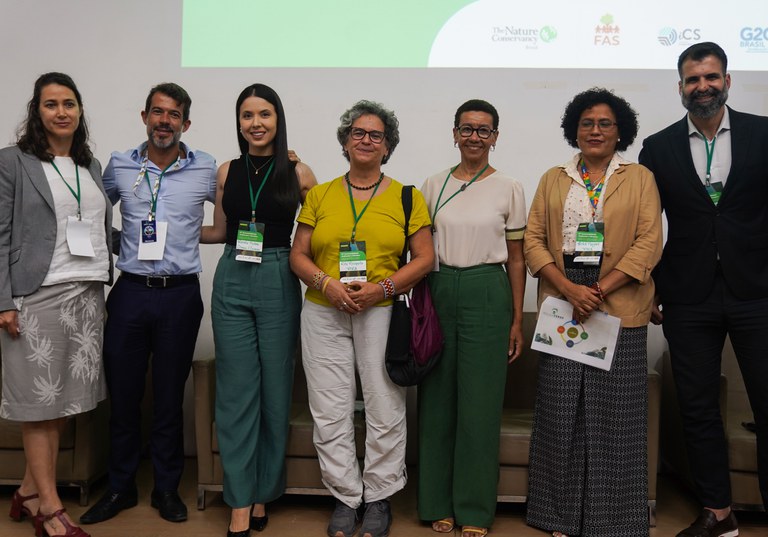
pixel 482 132
pixel 358 134
pixel 602 124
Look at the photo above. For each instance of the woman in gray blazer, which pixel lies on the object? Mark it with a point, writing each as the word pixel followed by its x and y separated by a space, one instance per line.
pixel 55 222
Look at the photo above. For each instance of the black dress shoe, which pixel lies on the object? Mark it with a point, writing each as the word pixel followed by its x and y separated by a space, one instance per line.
pixel 244 533
pixel 108 506
pixel 258 523
pixel 170 505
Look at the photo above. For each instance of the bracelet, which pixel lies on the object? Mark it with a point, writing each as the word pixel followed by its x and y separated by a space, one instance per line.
pixel 389 287
pixel 325 283
pixel 596 287
pixel 317 279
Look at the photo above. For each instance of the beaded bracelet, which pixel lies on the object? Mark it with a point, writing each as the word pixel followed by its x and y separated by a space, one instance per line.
pixel 596 287
pixel 317 279
pixel 389 287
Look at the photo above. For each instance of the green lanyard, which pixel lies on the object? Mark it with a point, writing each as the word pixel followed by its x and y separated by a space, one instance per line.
pixel 153 192
pixel 75 194
pixel 354 210
pixel 255 199
pixel 710 153
pixel 462 189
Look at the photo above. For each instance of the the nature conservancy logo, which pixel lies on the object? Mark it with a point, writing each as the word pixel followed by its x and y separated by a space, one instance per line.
pixel 607 32
pixel 528 37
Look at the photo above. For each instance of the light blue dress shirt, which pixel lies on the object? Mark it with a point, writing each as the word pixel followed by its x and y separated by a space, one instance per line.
pixel 184 189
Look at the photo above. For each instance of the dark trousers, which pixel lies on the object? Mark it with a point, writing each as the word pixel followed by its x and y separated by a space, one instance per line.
pixel 696 334
pixel 144 322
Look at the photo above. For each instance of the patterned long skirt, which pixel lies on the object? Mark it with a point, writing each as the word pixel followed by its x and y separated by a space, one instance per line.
pixel 54 368
pixel 588 458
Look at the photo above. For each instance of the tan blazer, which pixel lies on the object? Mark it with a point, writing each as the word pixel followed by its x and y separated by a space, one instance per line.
pixel 633 237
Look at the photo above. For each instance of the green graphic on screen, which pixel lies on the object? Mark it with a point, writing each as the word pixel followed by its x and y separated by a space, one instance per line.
pixel 312 33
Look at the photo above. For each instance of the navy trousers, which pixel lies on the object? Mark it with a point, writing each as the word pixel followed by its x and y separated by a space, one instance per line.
pixel 141 322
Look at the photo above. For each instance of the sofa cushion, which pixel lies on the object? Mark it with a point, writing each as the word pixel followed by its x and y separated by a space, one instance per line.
pixel 515 439
pixel 742 444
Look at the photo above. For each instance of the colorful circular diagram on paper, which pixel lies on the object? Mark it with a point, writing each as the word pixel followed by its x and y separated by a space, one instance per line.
pixel 572 332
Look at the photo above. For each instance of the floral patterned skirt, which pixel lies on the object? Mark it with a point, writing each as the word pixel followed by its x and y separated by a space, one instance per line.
pixel 54 368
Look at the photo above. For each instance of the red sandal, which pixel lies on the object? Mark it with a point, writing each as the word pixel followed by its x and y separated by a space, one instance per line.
pixel 72 531
pixel 19 511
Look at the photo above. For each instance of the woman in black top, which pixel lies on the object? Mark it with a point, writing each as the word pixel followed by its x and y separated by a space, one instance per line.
pixel 255 306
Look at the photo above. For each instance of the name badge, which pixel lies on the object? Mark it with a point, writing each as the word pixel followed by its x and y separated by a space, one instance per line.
pixel 352 263
pixel 589 243
pixel 148 231
pixel 153 251
pixel 715 190
pixel 250 241
pixel 79 237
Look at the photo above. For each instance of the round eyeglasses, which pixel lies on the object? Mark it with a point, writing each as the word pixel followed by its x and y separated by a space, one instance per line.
pixel 482 132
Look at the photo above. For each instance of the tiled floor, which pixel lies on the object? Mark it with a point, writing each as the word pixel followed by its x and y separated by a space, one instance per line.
pixel 307 516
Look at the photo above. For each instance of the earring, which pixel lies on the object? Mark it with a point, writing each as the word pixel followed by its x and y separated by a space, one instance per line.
pixel 455 143
pixel 493 147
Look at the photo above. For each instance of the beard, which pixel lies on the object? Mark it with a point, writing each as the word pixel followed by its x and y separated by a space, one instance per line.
pixel 163 143
pixel 708 109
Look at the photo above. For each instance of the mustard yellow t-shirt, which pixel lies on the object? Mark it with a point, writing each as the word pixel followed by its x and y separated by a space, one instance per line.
pixel 327 209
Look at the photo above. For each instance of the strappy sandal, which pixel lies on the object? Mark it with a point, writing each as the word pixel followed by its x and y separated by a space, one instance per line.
pixel 70 530
pixel 444 525
pixel 473 530
pixel 558 534
pixel 19 511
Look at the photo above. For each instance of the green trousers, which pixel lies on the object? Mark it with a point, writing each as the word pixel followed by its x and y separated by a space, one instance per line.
pixel 255 311
pixel 460 402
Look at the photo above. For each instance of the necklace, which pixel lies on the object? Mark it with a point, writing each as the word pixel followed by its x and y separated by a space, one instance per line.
pixel 369 187
pixel 256 173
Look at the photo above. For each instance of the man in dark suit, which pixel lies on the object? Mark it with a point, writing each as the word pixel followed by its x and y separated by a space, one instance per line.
pixel 711 168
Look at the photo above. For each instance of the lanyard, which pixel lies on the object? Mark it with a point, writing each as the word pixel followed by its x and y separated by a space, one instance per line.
pixel 594 193
pixel 352 203
pixel 154 191
pixel 710 153
pixel 255 199
pixel 462 189
pixel 75 194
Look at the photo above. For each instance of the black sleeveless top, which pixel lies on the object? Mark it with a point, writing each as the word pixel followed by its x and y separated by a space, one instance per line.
pixel 236 202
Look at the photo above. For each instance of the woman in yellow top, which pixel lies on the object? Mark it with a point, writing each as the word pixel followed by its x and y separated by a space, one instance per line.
pixel 588 465
pixel 346 249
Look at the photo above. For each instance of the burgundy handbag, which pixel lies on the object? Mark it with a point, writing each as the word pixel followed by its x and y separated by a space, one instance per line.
pixel 415 339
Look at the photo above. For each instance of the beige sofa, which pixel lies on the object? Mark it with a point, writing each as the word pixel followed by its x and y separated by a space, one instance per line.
pixel 82 452
pixel 303 471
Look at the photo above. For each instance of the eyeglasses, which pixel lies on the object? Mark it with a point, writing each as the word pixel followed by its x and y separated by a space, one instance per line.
pixel 358 134
pixel 482 132
pixel 602 124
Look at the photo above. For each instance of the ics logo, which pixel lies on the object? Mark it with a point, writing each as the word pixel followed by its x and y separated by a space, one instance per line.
pixel 667 36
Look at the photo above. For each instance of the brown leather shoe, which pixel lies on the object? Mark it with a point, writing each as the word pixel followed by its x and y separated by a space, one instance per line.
pixel 707 525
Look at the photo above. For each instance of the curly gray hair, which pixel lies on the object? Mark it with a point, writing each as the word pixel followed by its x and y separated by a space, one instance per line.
pixel 361 108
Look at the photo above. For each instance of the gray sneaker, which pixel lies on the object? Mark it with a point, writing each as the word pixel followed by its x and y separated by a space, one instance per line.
pixel 343 521
pixel 377 519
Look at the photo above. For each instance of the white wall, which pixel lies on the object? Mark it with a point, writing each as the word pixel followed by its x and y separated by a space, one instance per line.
pixel 116 51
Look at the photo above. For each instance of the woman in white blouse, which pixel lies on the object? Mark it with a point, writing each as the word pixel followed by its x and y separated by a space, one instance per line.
pixel 478 216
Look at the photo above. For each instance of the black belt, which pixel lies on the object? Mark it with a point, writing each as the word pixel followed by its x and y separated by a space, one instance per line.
pixel 160 281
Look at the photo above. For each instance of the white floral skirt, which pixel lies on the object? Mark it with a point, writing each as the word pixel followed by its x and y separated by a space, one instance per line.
pixel 54 368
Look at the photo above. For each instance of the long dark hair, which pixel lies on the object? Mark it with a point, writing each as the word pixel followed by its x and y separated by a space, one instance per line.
pixel 286 184
pixel 31 136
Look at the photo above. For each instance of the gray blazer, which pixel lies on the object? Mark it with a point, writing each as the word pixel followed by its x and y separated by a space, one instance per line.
pixel 28 224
